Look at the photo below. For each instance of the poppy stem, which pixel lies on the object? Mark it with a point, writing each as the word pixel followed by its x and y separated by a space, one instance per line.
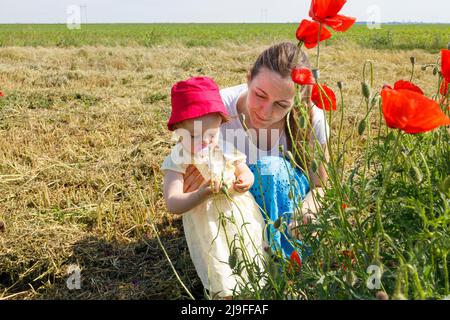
pixel 412 72
pixel 318 48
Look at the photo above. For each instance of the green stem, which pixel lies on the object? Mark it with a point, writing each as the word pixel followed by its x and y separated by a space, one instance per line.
pixel 318 47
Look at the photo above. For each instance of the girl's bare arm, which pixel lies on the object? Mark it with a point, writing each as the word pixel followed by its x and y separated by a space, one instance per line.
pixel 179 202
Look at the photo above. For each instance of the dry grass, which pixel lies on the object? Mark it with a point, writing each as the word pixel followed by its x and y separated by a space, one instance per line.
pixel 82 131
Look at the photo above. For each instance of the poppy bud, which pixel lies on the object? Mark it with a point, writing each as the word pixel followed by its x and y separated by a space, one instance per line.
pixel 374 101
pixel 224 189
pixel 365 89
pixel 435 71
pixel 291 195
pixel 362 127
pixel 314 166
pixel 281 148
pixel 277 223
pixel 444 187
pixel 423 68
pixel 316 74
pixel 302 122
pixel 340 85
pixel 448 46
pixel 413 60
pixel 232 260
pixel 350 278
pixel 224 223
pixel 415 174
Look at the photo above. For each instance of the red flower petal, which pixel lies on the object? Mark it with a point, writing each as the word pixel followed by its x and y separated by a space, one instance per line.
pixel 302 76
pixel 308 32
pixel 444 87
pixel 411 112
pixel 1 94
pixel 403 84
pixel 325 101
pixel 295 259
pixel 445 64
pixel 340 23
pixel 325 9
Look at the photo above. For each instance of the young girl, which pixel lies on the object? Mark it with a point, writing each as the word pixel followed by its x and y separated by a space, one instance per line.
pixel 221 220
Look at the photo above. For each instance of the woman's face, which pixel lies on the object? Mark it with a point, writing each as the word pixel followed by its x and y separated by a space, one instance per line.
pixel 269 99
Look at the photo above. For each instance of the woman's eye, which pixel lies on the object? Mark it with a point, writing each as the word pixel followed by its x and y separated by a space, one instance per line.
pixel 260 96
pixel 282 106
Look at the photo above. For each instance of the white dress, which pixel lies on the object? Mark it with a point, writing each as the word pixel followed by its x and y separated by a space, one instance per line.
pixel 220 225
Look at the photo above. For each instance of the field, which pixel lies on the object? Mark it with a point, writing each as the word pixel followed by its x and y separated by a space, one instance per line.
pixel 428 37
pixel 82 137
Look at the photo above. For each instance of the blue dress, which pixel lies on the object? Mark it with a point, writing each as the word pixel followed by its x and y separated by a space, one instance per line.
pixel 278 189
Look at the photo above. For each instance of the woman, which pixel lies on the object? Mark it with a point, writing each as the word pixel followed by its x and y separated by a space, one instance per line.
pixel 263 111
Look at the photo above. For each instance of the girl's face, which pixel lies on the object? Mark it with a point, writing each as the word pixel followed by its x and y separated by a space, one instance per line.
pixel 269 99
pixel 199 133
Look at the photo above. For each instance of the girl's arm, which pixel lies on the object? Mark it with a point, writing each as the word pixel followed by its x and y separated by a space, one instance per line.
pixel 179 202
pixel 244 177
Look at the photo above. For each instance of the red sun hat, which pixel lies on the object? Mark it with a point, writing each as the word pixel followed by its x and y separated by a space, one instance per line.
pixel 194 98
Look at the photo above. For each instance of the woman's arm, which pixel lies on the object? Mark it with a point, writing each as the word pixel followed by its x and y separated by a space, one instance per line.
pixel 311 204
pixel 179 202
pixel 192 179
pixel 319 179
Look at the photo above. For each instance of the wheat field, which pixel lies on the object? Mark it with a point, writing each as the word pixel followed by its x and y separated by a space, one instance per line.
pixel 82 137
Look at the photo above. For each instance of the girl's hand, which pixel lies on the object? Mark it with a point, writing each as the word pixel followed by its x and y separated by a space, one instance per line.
pixel 192 179
pixel 244 182
pixel 209 188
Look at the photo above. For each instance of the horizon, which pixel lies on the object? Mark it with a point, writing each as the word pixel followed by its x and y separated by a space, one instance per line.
pixel 207 11
pixel 98 23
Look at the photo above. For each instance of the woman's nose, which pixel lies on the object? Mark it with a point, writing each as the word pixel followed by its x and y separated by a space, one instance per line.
pixel 266 109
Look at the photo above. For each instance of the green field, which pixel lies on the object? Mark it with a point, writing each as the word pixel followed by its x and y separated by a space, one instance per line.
pixel 430 37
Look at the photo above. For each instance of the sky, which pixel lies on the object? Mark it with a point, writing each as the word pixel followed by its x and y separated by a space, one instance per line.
pixel 180 11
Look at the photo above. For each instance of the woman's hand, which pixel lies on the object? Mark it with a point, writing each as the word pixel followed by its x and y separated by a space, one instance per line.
pixel 192 179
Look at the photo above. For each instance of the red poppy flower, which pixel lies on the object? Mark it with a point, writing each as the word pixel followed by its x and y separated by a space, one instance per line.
pixel 411 112
pixel 308 33
pixel 325 101
pixel 403 84
pixel 445 64
pixel 302 76
pixel 1 94
pixel 326 11
pixel 295 260
pixel 344 206
pixel 444 87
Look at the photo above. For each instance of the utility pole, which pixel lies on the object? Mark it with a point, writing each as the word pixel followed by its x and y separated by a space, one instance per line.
pixel 84 6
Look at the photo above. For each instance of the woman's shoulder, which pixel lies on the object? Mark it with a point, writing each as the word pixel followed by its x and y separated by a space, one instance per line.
pixel 231 94
pixel 320 124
